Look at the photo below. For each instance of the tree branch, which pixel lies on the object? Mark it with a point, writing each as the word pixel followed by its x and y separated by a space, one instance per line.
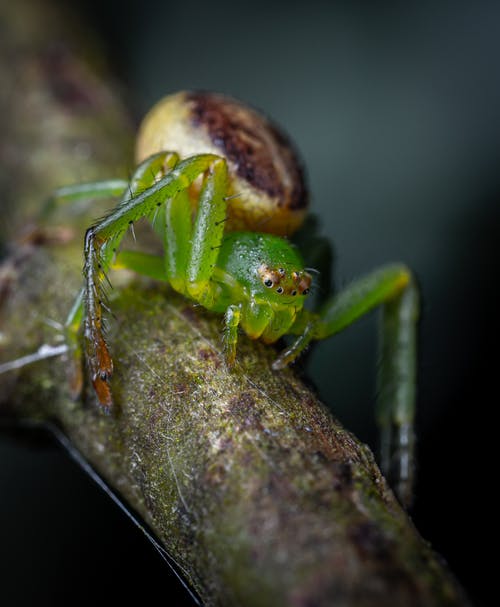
pixel 250 484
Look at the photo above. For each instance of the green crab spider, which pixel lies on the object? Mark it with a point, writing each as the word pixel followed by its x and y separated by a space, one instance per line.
pixel 228 253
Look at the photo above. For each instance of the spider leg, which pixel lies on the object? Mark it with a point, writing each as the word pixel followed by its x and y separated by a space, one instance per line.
pixel 145 264
pixel 192 247
pixel 208 231
pixel 143 177
pixel 101 242
pixel 231 323
pixel 95 190
pixel 393 288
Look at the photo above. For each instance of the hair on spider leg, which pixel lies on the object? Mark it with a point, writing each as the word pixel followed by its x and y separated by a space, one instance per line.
pixel 96 293
pixel 226 198
pixel 155 176
pixel 105 320
pixel 105 326
pixel 108 309
pixel 263 222
pixel 155 216
pixel 126 199
pixel 106 279
pixel 313 270
pixel 54 324
pixel 104 273
pixel 131 224
pixel 217 223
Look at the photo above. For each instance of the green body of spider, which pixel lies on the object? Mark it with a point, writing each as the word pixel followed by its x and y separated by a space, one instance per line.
pixel 223 186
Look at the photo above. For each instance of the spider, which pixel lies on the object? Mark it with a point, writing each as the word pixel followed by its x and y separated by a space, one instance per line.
pixel 223 187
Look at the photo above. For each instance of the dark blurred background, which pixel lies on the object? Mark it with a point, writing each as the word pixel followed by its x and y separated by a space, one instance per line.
pixel 395 108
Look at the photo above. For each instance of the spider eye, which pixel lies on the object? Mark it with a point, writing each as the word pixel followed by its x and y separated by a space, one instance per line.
pixel 268 282
pixel 294 293
pixel 279 290
pixel 305 291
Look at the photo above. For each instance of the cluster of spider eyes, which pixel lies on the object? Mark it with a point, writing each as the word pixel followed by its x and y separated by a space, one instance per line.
pixel 269 282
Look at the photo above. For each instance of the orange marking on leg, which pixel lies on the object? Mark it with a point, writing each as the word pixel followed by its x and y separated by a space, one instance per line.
pixel 101 366
pixel 103 392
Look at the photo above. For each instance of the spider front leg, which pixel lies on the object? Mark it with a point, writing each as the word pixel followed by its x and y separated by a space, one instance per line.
pixel 101 243
pixel 394 288
pixel 144 176
pixel 192 248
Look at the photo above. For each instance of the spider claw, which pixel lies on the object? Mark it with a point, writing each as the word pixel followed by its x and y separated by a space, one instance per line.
pixel 230 360
pixel 279 364
pixel 103 391
pixel 230 356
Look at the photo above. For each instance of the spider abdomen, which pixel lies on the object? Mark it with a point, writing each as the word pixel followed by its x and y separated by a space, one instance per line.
pixel 266 178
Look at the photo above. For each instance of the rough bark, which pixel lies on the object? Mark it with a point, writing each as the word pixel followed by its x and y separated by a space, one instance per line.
pixel 259 495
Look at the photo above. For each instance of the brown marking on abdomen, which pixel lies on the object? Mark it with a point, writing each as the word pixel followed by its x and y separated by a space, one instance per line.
pixel 262 154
